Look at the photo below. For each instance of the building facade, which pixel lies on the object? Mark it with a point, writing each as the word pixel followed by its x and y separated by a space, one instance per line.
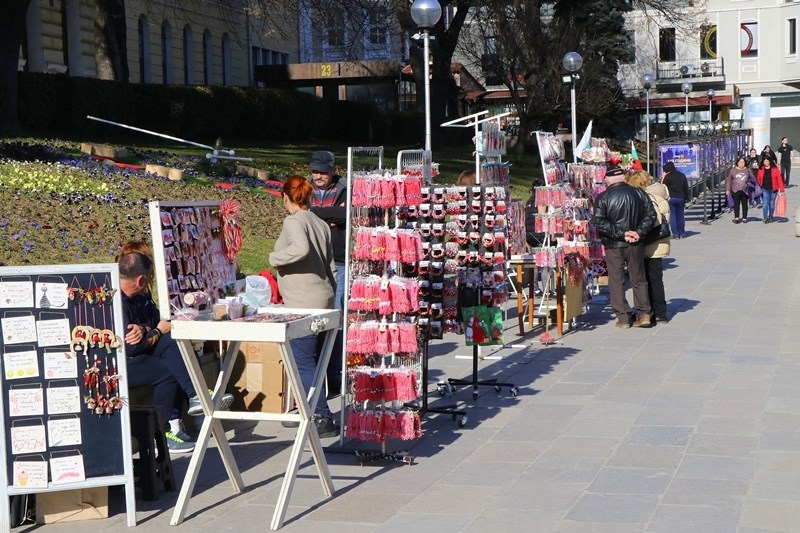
pixel 195 42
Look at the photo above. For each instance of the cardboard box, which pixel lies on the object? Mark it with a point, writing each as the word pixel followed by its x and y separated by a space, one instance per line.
pixel 72 505
pixel 259 382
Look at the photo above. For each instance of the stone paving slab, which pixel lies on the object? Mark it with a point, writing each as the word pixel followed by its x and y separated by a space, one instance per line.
pixel 689 426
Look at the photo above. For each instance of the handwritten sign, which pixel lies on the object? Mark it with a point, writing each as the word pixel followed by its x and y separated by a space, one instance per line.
pixel 51 295
pixel 28 439
pixel 53 332
pixel 16 294
pixel 67 469
pixel 30 474
pixel 18 365
pixel 18 329
pixel 63 400
pixel 25 402
pixel 60 365
pixel 64 431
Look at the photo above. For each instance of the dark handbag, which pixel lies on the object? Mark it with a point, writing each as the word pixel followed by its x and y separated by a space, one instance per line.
pixel 658 232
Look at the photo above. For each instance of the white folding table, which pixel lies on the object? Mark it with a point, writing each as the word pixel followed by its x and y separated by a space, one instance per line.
pixel 234 332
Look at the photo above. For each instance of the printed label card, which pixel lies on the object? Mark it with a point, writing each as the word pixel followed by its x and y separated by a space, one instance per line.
pixel 60 365
pixel 30 474
pixel 64 431
pixel 28 439
pixel 53 332
pixel 25 402
pixel 67 469
pixel 63 400
pixel 16 294
pixel 51 295
pixel 19 365
pixel 19 329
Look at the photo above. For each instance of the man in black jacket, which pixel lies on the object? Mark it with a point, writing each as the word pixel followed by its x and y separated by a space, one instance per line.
pixel 329 202
pixel 624 215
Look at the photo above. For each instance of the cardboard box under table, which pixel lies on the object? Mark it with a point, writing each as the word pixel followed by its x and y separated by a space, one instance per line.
pixel 72 505
pixel 259 383
pixel 257 329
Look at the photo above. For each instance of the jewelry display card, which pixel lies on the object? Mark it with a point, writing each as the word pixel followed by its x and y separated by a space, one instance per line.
pixel 16 294
pixel 30 474
pixel 20 365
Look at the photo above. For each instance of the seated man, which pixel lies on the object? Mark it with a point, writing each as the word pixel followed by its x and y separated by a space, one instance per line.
pixel 153 357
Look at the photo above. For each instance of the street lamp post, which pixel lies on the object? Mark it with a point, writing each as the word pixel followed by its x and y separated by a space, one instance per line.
pixel 572 63
pixel 647 83
pixel 686 87
pixel 710 93
pixel 426 14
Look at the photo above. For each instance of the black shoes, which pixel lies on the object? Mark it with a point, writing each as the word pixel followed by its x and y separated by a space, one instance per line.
pixel 326 427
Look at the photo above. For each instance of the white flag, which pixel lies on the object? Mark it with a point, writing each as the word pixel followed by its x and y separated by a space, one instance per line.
pixel 585 141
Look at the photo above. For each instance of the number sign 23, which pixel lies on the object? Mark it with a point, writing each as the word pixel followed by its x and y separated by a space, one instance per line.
pixel 326 70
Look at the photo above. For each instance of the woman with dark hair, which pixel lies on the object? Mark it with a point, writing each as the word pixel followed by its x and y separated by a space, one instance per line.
pixel 736 187
pixel 771 183
pixel 303 257
pixel 767 153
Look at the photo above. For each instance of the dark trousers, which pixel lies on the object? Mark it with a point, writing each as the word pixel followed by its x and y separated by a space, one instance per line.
pixel 616 260
pixel 306 354
pixel 677 223
pixel 786 170
pixel 740 199
pixel 654 272
pixel 163 369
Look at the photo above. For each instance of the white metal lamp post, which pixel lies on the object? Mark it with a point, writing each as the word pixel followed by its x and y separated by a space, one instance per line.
pixel 647 83
pixel 686 87
pixel 710 93
pixel 426 14
pixel 572 63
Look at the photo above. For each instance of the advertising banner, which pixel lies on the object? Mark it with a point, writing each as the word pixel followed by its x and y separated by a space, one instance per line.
pixel 756 117
pixel 685 156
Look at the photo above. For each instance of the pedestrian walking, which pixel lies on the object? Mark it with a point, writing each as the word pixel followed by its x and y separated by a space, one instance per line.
pixel 785 151
pixel 736 187
pixel 678 187
pixel 771 183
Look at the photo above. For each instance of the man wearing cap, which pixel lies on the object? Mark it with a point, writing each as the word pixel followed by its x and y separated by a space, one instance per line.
pixel 329 202
pixel 624 215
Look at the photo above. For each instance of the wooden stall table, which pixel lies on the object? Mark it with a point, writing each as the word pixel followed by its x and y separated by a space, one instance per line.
pixel 255 330
pixel 521 263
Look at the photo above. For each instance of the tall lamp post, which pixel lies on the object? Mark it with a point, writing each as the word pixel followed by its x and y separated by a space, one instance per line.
pixel 686 87
pixel 426 14
pixel 647 83
pixel 572 63
pixel 710 93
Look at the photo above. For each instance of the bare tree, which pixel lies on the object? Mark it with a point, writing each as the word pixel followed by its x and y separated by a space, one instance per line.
pixel 11 24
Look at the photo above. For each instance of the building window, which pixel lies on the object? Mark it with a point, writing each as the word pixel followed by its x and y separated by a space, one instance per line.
pixel 628 56
pixel 144 51
pixel 748 39
pixel 208 59
pixel 188 53
pixel 791 33
pixel 377 28
pixel 166 52
pixel 335 29
pixel 226 60
pixel 708 42
pixel 666 44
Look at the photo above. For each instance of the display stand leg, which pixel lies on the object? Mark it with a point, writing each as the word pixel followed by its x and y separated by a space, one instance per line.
pixel 476 383
pixel 450 409
pixel 520 303
pixel 559 304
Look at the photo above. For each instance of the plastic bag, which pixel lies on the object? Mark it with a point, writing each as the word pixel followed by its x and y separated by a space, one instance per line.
pixel 257 291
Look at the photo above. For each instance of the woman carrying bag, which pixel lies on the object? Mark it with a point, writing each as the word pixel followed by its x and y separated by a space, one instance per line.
pixel 771 183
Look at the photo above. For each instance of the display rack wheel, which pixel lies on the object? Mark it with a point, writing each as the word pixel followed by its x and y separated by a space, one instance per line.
pixel 497 388
pixel 513 391
pixel 475 395
pixel 462 421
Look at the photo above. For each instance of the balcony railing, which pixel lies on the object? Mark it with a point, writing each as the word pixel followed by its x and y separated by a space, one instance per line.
pixel 690 69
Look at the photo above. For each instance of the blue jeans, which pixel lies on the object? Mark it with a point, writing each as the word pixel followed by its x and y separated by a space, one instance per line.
pixel 768 199
pixel 338 299
pixel 305 354
pixel 677 223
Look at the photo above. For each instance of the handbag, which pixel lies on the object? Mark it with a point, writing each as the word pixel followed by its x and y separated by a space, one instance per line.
pixel 658 232
pixel 780 205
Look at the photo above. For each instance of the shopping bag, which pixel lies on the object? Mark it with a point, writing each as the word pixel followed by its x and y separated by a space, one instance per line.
pixel 780 205
pixel 483 325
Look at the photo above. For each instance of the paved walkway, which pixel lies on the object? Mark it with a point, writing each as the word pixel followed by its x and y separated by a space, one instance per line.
pixel 689 426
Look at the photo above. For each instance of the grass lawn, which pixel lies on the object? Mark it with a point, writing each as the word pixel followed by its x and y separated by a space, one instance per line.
pixel 57 206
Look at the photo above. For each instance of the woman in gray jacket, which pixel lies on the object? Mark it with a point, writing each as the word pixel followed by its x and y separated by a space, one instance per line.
pixel 306 278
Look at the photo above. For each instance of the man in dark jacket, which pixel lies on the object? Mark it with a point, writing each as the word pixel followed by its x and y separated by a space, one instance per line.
pixel 678 187
pixel 329 202
pixel 624 215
